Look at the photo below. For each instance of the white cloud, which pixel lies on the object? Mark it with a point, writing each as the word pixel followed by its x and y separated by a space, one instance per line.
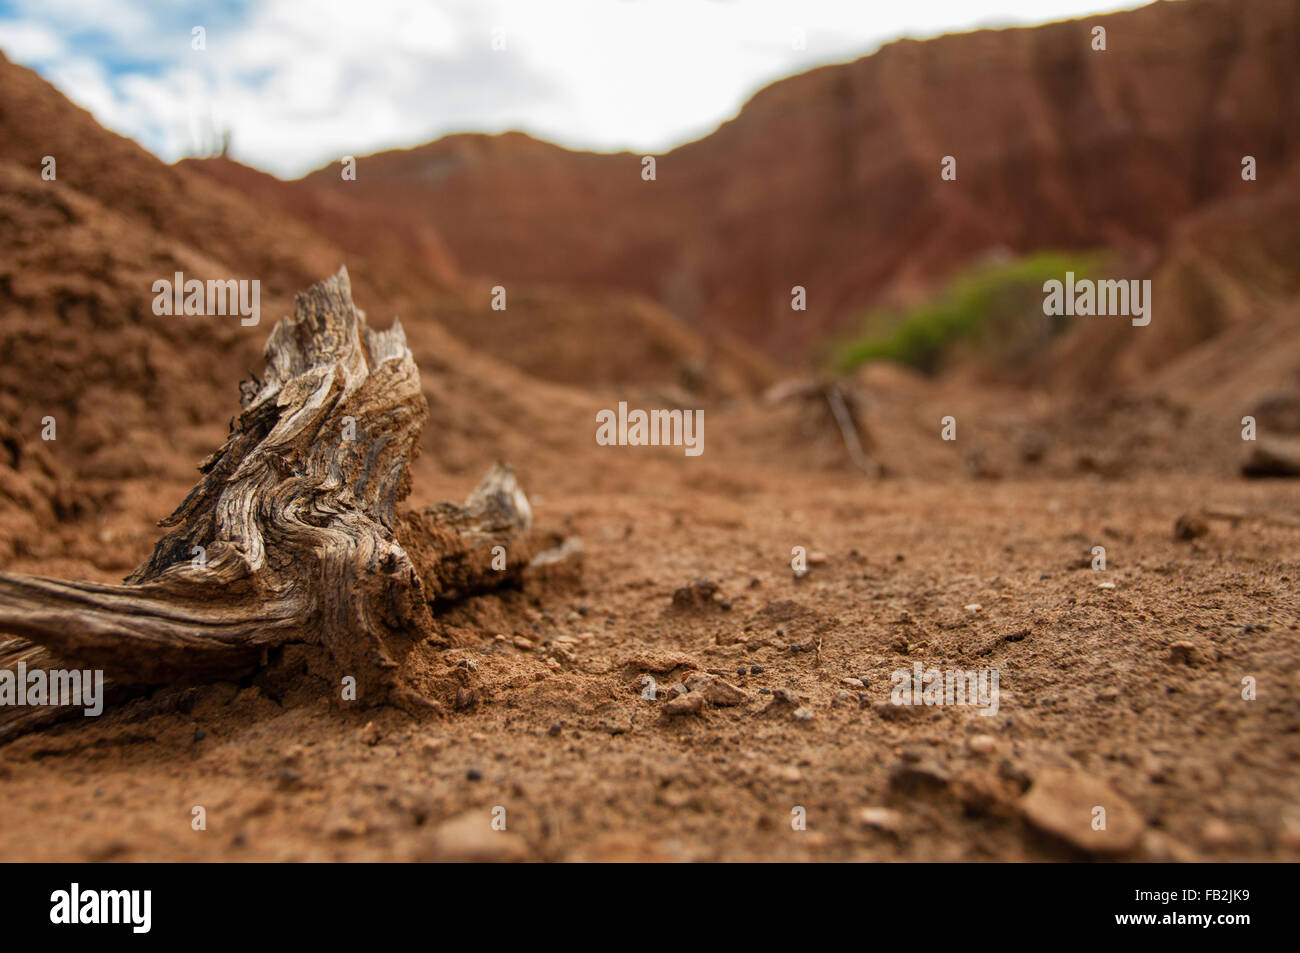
pixel 30 42
pixel 303 83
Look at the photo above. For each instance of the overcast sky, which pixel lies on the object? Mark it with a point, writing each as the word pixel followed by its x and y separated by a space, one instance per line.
pixel 301 83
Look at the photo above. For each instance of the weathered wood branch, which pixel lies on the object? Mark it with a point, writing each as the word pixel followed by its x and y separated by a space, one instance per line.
pixel 291 534
pixel 839 401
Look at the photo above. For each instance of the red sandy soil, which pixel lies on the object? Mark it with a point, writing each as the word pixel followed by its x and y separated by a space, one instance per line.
pixel 587 769
pixel 969 554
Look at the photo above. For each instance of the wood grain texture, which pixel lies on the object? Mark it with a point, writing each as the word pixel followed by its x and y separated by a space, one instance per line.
pixel 291 534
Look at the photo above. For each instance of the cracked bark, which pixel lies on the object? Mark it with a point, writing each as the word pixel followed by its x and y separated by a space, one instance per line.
pixel 291 534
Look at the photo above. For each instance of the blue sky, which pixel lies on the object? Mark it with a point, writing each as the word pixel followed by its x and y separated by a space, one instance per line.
pixel 299 84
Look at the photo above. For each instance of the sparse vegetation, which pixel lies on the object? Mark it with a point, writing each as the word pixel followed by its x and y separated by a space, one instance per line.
pixel 997 306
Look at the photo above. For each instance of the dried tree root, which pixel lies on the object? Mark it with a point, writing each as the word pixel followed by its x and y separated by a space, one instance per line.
pixel 850 430
pixel 291 536
pixel 842 405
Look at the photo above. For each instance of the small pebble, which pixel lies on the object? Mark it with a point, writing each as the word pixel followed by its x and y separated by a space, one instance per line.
pixel 881 818
pixel 1190 526
pixel 1289 836
pixel 1218 833
pixel 474 774
pixel 288 777
pixel 688 704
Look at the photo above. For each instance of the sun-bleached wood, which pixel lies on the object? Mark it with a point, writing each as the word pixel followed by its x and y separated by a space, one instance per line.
pixel 291 535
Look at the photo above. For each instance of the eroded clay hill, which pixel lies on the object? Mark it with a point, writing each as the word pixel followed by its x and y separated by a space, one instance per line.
pixel 831 179
pixel 589 336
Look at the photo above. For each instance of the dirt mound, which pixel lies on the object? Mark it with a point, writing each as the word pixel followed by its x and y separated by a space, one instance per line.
pixel 1224 284
pixel 179 208
pixel 600 339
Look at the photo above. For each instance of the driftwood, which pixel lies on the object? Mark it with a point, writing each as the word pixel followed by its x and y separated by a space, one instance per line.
pixel 291 534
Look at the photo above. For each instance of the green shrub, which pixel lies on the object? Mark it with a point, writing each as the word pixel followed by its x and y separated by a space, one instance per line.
pixel 995 306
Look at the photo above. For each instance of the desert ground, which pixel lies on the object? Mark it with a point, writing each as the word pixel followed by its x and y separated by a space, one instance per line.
pixel 710 671
pixel 1124 683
